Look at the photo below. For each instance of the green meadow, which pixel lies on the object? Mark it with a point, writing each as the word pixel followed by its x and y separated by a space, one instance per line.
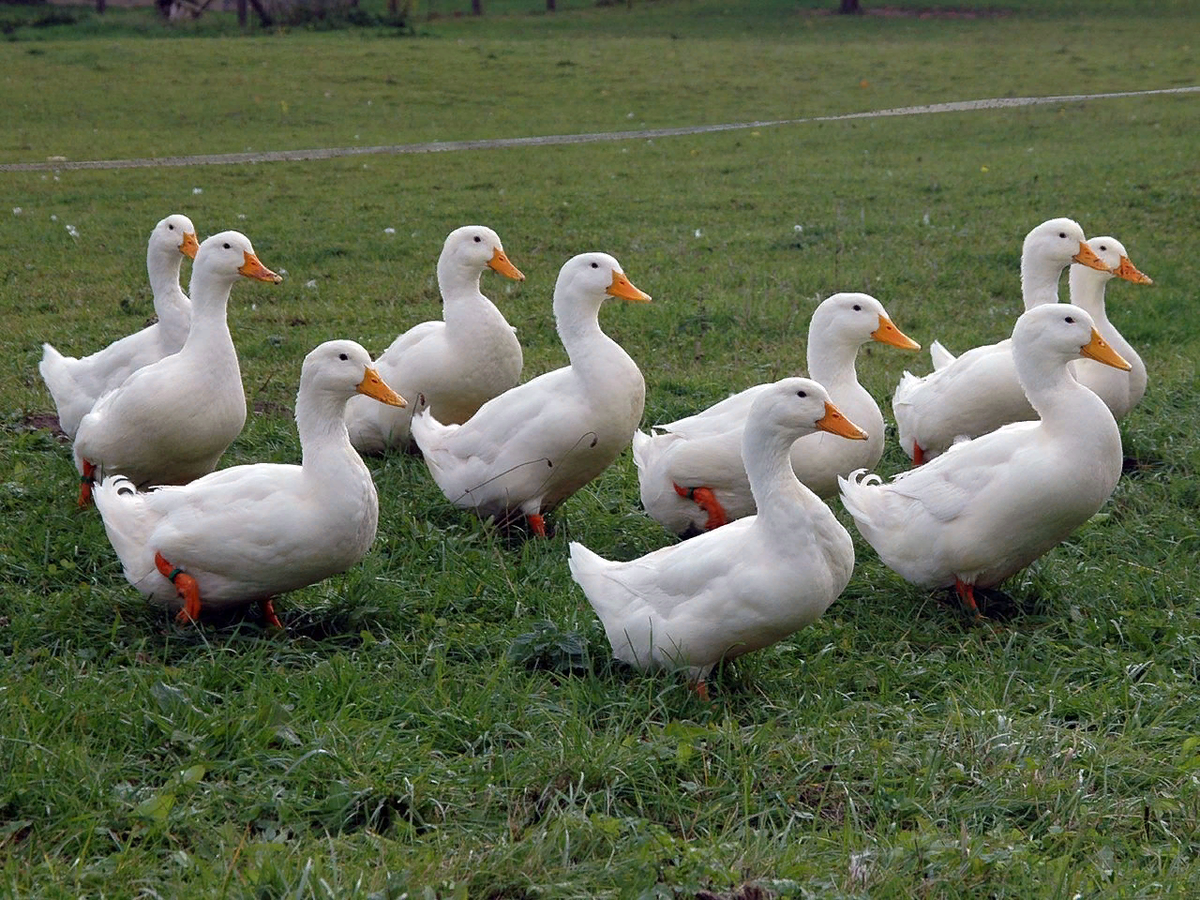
pixel 444 720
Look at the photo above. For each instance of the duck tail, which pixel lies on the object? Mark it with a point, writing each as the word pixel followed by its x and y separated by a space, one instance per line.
pixel 940 355
pixel 857 492
pixel 56 373
pixel 587 568
pixel 641 445
pixel 128 522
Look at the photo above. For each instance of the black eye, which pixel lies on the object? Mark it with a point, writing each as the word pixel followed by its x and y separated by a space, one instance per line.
pixel 1062 234
pixel 1070 320
pixel 170 227
pixel 343 356
pixel 595 265
pixel 226 245
pixel 1104 246
pixel 801 394
pixel 478 239
pixel 857 307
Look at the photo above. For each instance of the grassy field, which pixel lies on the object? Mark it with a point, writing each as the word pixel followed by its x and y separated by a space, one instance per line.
pixel 444 720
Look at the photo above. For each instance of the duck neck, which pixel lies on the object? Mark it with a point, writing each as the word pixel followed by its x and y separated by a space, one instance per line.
pixel 1052 391
pixel 209 334
pixel 321 422
pixel 1039 280
pixel 777 491
pixel 162 267
pixel 461 297
pixel 831 358
pixel 579 330
pixel 1087 288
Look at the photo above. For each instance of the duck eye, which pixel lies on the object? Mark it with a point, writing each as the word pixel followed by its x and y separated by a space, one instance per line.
pixel 478 239
pixel 343 356
pixel 858 307
pixel 1070 320
pixel 170 227
pixel 226 245
pixel 801 394
pixel 1062 234
pixel 595 265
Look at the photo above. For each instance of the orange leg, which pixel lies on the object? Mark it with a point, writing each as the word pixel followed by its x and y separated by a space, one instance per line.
pixel 537 524
pixel 185 584
pixel 966 593
pixel 268 613
pixel 707 501
pixel 918 454
pixel 86 480
pixel 701 689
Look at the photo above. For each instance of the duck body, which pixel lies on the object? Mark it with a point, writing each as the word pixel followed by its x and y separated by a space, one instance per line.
pixel 988 507
pixel 170 421
pixel 978 391
pixel 457 364
pixel 77 383
pixel 251 532
pixel 531 447
pixel 743 586
pixel 704 450
pixel 1121 391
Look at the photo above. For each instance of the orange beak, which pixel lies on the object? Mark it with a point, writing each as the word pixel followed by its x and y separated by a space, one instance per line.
pixel 1087 257
pixel 1129 272
pixel 1098 350
pixel 252 268
pixel 374 386
pixel 189 245
pixel 622 287
pixel 499 263
pixel 888 333
pixel 835 423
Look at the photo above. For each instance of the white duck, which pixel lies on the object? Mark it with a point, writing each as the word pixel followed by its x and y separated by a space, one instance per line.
pixel 978 391
pixel 249 533
pixel 76 384
pixel 990 506
pixel 744 586
pixel 170 421
pixel 691 475
pixel 532 447
pixel 456 364
pixel 1120 391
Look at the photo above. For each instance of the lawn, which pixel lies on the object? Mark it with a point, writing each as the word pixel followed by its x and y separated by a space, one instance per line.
pixel 444 719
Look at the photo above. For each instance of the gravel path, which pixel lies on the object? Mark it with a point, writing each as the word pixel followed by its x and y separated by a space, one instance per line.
pixel 218 159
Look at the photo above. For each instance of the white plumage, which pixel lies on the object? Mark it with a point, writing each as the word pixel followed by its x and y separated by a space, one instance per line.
pixel 1121 391
pixel 456 364
pixel 990 506
pixel 704 450
pixel 76 384
pixel 978 391
pixel 249 533
pixel 170 421
pixel 533 446
pixel 743 586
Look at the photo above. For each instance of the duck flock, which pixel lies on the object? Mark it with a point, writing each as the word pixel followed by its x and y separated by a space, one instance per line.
pixel 1014 446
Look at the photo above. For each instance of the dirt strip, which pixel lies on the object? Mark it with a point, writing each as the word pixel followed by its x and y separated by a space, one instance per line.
pixel 218 159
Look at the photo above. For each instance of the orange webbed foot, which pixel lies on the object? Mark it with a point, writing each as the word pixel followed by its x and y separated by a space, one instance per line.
pixel 185 585
pixel 268 613
pixel 537 524
pixel 707 501
pixel 966 593
pixel 86 480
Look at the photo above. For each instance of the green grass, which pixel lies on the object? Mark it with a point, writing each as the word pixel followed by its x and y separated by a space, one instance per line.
pixel 444 719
